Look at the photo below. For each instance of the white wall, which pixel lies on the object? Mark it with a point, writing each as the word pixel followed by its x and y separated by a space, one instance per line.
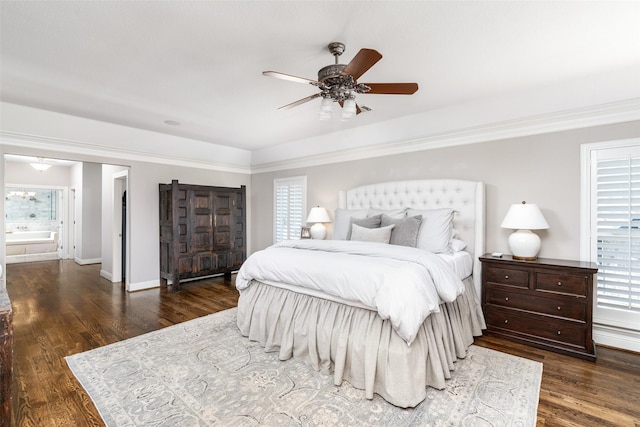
pixel 542 169
pixel 23 174
pixel 76 205
pixel 144 178
pixel 91 206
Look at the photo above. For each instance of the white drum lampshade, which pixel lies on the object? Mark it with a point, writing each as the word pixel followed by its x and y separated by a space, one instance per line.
pixel 318 216
pixel 523 218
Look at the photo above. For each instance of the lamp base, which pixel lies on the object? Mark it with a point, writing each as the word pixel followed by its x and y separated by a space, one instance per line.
pixel 318 231
pixel 525 258
pixel 524 245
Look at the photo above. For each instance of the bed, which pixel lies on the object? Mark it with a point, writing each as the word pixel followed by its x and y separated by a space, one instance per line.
pixel 397 325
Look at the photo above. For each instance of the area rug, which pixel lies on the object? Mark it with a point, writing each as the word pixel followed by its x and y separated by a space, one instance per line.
pixel 203 372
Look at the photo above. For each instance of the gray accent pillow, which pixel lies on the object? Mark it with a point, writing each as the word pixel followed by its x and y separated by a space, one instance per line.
pixel 342 222
pixel 371 222
pixel 405 232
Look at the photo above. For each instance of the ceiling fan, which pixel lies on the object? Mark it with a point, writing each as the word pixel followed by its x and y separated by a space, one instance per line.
pixel 339 83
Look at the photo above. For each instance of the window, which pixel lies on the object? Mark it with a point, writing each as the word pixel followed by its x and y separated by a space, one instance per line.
pixel 612 175
pixel 290 195
pixel 30 204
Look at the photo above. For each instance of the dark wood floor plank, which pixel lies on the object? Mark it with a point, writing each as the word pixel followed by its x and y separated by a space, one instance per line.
pixel 62 308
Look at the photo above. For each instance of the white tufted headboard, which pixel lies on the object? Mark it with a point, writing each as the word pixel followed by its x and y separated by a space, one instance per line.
pixel 465 197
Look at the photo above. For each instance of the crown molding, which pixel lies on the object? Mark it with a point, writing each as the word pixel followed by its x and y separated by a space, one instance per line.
pixel 610 113
pixel 17 139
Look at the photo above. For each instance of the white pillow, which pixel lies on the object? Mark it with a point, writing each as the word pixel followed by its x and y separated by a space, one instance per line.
pixel 342 221
pixel 436 230
pixel 393 213
pixel 378 235
pixel 457 245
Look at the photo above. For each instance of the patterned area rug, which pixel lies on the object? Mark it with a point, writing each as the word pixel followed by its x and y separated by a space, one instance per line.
pixel 203 372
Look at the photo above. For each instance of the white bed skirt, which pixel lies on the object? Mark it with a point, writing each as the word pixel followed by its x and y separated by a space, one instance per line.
pixel 357 345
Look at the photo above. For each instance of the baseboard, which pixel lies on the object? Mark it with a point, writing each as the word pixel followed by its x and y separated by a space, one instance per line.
pixel 15 259
pixel 88 261
pixel 139 286
pixel 615 337
pixel 105 274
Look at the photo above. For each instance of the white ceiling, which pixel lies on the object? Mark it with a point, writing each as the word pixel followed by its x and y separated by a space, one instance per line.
pixel 142 63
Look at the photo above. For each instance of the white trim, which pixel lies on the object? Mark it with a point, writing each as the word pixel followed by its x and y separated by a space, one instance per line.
pixel 617 332
pixel 615 337
pixel 67 146
pixel 143 285
pixel 609 113
pixel 105 274
pixel 88 261
pixel 617 112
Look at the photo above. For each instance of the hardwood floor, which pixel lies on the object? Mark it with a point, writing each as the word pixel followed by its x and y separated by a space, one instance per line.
pixel 61 308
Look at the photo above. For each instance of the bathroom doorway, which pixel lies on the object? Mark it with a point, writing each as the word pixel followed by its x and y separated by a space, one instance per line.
pixel 34 222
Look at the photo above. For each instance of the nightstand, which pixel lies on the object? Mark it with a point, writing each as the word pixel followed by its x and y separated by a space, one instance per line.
pixel 546 303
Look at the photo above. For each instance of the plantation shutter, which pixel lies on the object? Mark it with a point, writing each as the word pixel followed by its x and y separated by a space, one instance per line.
pixel 290 196
pixel 617 222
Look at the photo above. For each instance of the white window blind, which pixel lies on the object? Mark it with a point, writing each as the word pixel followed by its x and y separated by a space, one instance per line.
pixel 290 207
pixel 617 222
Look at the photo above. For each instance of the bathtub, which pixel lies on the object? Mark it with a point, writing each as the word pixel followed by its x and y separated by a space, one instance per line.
pixel 24 246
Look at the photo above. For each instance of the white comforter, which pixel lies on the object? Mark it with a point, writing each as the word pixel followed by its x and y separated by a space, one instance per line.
pixel 402 284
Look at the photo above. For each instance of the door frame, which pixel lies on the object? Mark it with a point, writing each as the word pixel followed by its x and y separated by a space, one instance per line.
pixel 120 187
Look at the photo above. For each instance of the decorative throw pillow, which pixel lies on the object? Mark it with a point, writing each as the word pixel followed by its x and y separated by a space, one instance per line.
pixel 377 235
pixel 371 222
pixel 406 230
pixel 342 221
pixel 436 230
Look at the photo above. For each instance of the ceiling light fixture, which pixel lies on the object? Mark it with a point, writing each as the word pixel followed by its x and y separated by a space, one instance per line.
pixel 338 83
pixel 336 86
pixel 41 165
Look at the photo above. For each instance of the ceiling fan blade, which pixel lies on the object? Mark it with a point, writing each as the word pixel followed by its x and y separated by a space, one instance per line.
pixel 392 88
pixel 299 101
pixel 360 63
pixel 289 77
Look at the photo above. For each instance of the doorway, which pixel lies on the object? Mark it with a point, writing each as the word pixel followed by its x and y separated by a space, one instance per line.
pixel 120 217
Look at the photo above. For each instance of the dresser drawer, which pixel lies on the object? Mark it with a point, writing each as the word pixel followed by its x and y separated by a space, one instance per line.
pixel 507 276
pixel 532 325
pixel 562 283
pixel 553 306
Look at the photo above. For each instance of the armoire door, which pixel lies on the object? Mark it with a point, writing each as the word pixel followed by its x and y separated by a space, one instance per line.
pixel 200 231
pixel 222 230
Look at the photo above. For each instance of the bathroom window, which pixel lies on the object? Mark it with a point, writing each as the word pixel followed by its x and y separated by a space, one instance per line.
pixel 30 204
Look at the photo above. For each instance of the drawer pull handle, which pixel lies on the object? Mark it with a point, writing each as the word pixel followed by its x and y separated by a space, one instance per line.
pixel 559 283
pixel 506 277
pixel 558 332
pixel 506 321
pixel 506 299
pixel 559 308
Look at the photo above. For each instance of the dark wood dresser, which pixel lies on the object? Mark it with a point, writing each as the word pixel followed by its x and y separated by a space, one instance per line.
pixel 546 303
pixel 202 231
pixel 6 356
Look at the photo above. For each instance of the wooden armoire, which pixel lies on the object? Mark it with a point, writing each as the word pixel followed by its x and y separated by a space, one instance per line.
pixel 202 231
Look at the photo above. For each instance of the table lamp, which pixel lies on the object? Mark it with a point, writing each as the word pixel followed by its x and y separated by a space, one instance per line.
pixel 318 216
pixel 523 218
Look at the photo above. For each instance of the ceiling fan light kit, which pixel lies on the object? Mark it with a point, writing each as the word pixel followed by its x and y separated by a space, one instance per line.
pixel 339 83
